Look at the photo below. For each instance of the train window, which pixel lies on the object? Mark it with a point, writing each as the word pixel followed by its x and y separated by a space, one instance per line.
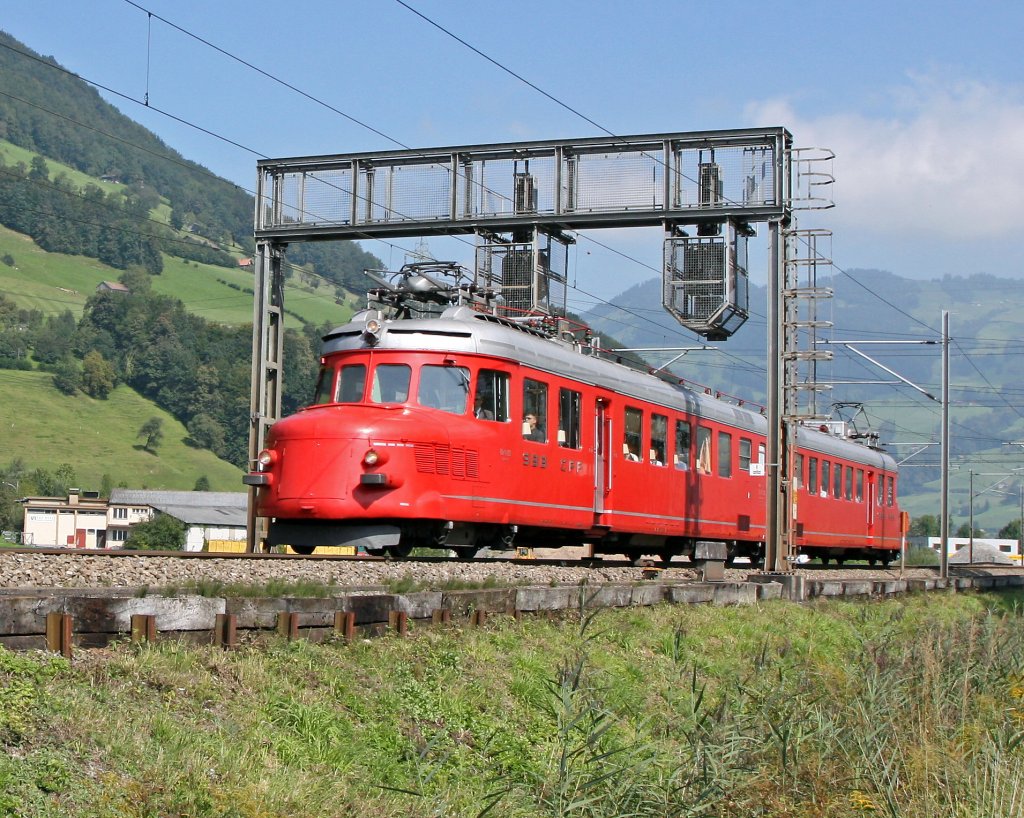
pixel 890 491
pixel 390 383
pixel 444 387
pixel 849 482
pixel 535 410
pixel 322 393
pixel 760 455
pixel 879 492
pixel 724 454
pixel 798 472
pixel 490 401
pixel 826 477
pixel 569 418
pixel 837 481
pixel 682 455
pixel 745 447
pixel 703 450
pixel 659 439
pixel 633 434
pixel 860 486
pixel 812 475
pixel 351 383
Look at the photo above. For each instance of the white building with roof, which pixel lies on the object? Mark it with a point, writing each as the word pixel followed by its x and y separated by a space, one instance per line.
pixel 76 521
pixel 207 515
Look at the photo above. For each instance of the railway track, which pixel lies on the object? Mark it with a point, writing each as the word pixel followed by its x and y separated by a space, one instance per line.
pixel 23 568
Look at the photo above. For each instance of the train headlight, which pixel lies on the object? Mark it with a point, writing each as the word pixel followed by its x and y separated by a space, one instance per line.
pixel 372 330
pixel 373 457
pixel 266 458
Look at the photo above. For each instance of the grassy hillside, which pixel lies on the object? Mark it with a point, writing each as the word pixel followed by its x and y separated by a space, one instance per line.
pixel 13 155
pixel 54 282
pixel 46 428
pixel 226 296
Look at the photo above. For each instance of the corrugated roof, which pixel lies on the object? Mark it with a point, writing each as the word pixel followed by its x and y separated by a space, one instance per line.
pixel 223 508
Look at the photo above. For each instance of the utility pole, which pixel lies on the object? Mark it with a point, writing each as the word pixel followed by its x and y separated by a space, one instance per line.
pixel 944 523
pixel 970 541
pixel 777 512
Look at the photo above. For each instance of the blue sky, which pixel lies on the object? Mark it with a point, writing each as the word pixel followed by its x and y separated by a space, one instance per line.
pixel 923 104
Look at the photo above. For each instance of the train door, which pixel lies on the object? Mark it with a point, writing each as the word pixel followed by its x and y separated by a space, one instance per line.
pixel 871 500
pixel 602 459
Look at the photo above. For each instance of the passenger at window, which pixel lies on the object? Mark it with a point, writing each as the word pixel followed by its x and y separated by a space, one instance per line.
pixel 530 429
pixel 479 410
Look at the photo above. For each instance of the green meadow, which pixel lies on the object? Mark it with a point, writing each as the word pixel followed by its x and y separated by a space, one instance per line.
pixel 46 428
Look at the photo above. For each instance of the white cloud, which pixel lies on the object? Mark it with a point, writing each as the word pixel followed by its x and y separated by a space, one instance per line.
pixel 946 160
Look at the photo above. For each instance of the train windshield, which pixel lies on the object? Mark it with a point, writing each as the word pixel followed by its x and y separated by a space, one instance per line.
pixel 391 383
pixel 322 393
pixel 351 383
pixel 445 388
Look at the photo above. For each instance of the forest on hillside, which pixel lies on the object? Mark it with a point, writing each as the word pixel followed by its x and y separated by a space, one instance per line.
pixel 196 370
pixel 49 111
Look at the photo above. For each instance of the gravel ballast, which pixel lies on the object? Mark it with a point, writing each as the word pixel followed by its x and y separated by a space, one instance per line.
pixel 96 571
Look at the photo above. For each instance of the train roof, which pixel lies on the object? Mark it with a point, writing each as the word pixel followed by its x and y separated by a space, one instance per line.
pixel 462 329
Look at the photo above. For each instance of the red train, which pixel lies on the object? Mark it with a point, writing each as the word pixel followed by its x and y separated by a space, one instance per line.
pixel 467 431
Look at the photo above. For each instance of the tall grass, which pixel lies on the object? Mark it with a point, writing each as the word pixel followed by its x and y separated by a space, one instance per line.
pixel 908 708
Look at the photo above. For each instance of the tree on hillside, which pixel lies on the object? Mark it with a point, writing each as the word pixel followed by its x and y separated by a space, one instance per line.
pixel 98 376
pixel 1010 531
pixel 12 513
pixel 67 376
pixel 153 432
pixel 52 341
pixel 202 484
pixel 136 279
pixel 162 533
pixel 50 484
pixel 205 433
pixel 927 525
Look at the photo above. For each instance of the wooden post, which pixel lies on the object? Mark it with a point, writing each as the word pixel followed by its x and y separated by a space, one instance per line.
pixel 143 628
pixel 345 624
pixel 441 616
pixel 59 630
pixel 225 631
pixel 478 618
pixel 288 625
pixel 398 621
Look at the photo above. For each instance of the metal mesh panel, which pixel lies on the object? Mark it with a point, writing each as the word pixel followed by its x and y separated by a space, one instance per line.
pixel 407 192
pixel 741 177
pixel 506 187
pixel 695 285
pixel 327 196
pixel 529 282
pixel 704 282
pixel 622 180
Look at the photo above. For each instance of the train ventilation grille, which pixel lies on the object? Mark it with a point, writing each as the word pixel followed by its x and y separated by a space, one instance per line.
pixel 460 463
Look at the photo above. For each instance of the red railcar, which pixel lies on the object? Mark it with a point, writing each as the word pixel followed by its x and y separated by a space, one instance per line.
pixel 467 431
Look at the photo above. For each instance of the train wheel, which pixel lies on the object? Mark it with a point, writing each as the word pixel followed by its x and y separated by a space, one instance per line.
pixel 465 552
pixel 305 550
pixel 824 559
pixel 398 552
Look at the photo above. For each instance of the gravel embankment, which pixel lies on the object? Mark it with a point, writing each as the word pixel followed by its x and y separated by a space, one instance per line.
pixel 20 571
